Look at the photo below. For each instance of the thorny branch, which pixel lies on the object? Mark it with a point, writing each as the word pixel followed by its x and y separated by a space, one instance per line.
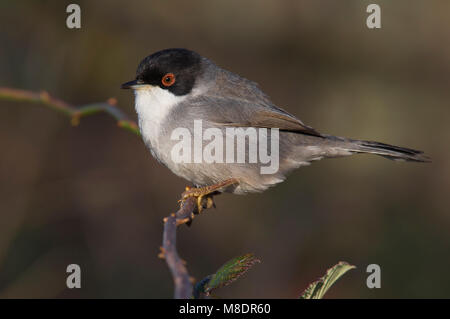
pixel 181 278
pixel 75 113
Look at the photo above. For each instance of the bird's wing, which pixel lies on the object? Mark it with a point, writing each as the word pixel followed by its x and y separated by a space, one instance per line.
pixel 236 112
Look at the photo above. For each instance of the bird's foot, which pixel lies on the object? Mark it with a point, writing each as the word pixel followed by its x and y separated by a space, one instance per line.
pixel 204 195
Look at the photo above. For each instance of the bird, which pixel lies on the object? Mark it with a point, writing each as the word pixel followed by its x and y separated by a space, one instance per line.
pixel 178 88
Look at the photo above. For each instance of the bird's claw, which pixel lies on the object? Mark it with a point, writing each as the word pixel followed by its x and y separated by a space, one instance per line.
pixel 204 195
pixel 204 199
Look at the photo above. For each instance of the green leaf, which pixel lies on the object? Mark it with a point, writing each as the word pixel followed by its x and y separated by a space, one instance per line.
pixel 229 272
pixel 317 289
pixel 200 287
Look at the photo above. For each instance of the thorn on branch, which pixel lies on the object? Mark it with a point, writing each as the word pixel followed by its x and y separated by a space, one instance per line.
pixel 161 253
pixel 75 120
pixel 112 101
pixel 45 96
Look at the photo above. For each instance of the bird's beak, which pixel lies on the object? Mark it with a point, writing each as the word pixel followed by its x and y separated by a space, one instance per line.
pixel 131 85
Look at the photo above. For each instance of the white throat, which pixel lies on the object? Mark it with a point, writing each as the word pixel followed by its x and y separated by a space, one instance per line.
pixel 152 105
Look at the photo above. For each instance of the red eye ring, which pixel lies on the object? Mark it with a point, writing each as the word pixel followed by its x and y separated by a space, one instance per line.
pixel 168 79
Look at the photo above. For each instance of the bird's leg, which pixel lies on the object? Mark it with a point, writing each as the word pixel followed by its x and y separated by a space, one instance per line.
pixel 206 193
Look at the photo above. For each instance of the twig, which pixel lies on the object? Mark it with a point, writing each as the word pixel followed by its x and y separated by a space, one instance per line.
pixel 180 275
pixel 181 278
pixel 75 113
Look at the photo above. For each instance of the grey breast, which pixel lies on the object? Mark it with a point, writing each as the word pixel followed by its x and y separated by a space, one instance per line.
pixel 227 100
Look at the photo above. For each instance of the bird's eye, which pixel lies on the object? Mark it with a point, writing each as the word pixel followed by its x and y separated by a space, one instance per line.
pixel 168 79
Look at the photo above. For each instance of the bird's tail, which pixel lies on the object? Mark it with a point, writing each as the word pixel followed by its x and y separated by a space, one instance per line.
pixel 391 152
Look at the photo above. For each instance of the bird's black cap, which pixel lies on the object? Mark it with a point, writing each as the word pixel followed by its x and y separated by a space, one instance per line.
pixel 183 64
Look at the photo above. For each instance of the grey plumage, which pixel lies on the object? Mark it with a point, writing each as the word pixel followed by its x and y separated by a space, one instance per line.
pixel 223 99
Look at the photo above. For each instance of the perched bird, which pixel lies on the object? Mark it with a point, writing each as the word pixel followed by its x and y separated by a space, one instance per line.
pixel 178 89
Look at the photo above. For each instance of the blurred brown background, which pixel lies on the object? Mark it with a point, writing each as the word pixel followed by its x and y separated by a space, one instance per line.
pixel 94 196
